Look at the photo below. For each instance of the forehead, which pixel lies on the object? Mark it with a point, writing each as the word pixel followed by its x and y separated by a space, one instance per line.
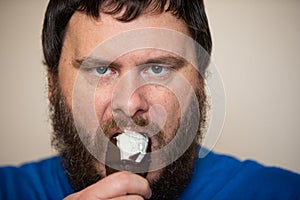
pixel 85 33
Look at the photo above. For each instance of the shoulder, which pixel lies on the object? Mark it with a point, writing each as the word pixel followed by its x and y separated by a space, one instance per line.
pixel 219 176
pixel 42 180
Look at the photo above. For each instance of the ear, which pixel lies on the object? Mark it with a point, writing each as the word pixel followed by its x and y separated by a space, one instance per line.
pixel 50 77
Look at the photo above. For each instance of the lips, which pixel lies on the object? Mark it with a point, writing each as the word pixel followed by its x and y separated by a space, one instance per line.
pixel 113 133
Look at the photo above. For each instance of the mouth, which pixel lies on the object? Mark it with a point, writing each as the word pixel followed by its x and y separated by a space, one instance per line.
pixel 115 134
pixel 131 142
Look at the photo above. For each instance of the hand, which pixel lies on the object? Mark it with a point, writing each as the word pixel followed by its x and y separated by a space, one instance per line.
pixel 120 185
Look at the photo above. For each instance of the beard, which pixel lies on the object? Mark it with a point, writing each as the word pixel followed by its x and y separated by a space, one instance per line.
pixel 81 166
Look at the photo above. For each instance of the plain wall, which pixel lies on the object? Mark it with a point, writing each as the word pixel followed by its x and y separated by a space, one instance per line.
pixel 256 48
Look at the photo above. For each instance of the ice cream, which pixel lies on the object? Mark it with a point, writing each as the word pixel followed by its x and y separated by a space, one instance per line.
pixel 128 152
pixel 132 145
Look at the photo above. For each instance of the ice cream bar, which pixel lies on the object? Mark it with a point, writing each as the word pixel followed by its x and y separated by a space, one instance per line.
pixel 128 152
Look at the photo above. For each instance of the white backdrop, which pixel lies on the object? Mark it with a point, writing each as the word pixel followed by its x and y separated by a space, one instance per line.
pixel 256 48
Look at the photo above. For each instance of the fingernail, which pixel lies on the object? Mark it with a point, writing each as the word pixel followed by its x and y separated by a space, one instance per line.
pixel 149 195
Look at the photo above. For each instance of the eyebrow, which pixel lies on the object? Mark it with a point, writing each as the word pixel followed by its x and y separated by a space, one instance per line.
pixel 89 61
pixel 175 61
pixel 168 60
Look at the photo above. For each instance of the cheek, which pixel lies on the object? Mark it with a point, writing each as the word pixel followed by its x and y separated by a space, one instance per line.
pixel 102 104
pixel 67 78
pixel 165 109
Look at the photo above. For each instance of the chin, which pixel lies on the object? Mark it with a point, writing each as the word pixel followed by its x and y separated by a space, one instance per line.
pixel 154 175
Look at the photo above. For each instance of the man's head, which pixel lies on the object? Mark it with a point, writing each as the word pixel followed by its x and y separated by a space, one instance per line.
pixel 72 30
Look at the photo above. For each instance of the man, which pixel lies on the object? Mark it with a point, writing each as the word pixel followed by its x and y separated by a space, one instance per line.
pixel 110 72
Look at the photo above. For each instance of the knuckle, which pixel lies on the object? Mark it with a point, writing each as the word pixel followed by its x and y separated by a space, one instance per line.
pixel 144 184
pixel 122 178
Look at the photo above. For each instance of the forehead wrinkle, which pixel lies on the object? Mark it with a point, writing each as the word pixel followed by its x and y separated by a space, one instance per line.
pixel 84 33
pixel 133 59
pixel 152 57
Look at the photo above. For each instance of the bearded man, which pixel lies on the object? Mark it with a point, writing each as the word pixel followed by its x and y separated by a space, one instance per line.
pixel 128 107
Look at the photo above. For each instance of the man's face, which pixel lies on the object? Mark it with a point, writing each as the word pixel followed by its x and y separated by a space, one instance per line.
pixel 116 94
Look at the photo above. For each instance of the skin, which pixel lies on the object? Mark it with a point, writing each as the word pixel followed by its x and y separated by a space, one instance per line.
pixel 82 36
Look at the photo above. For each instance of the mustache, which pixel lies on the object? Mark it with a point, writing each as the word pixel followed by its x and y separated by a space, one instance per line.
pixel 137 124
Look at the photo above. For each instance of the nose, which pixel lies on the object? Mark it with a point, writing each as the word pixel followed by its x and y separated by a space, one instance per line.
pixel 129 97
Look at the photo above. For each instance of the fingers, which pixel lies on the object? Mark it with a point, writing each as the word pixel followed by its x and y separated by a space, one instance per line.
pixel 129 197
pixel 121 185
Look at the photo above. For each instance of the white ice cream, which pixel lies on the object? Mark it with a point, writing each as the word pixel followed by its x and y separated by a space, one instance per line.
pixel 131 143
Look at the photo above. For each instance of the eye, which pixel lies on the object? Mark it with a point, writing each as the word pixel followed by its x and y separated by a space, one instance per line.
pixel 157 72
pixel 102 70
pixel 156 69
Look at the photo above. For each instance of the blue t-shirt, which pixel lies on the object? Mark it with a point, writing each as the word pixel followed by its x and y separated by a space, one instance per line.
pixel 214 177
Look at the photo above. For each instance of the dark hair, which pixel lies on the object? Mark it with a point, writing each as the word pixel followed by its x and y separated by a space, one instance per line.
pixel 59 12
